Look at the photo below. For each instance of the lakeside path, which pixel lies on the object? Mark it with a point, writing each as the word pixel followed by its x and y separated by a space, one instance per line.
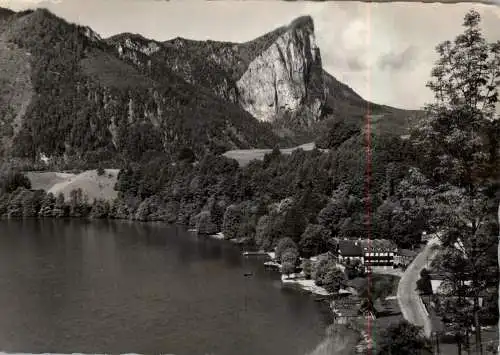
pixel 409 300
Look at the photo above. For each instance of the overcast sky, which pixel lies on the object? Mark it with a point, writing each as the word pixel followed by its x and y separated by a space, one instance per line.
pixel 383 51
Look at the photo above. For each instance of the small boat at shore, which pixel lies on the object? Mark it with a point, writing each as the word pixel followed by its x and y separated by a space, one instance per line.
pixel 249 253
pixel 247 274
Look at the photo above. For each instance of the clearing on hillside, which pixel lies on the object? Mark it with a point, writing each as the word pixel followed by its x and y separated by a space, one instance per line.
pixel 245 156
pixel 92 185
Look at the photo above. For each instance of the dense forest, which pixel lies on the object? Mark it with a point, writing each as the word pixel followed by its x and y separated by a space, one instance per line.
pixel 89 106
pixel 283 195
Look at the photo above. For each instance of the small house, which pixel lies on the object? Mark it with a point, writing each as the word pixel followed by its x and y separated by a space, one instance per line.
pixel 403 257
pixel 441 287
pixel 347 309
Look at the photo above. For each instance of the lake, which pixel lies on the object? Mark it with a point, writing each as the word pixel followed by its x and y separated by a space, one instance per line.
pixel 123 287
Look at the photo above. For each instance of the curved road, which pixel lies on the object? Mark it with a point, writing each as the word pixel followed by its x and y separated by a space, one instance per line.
pixel 409 301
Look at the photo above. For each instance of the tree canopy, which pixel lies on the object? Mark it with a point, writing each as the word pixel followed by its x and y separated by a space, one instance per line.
pixel 459 165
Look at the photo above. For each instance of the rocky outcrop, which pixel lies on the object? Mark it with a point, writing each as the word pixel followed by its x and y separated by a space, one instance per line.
pixel 287 78
pixel 135 48
pixel 91 34
pixel 276 77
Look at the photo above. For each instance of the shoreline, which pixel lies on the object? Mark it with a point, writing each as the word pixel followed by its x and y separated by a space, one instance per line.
pixel 296 281
pixel 307 285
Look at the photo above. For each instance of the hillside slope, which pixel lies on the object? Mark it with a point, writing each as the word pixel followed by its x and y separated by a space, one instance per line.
pixel 79 100
pixel 275 76
pixel 70 96
pixel 93 186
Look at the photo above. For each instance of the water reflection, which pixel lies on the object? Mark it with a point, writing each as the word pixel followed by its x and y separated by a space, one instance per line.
pixel 72 286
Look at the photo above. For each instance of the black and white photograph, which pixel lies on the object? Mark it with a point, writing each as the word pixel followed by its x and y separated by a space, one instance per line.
pixel 249 177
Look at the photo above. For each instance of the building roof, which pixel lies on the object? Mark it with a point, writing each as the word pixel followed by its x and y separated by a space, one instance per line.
pixel 347 307
pixel 377 245
pixel 349 248
pixel 347 302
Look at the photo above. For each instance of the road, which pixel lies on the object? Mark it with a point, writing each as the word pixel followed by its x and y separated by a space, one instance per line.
pixel 409 301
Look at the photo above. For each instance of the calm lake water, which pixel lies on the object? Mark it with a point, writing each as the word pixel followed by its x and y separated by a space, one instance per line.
pixel 120 287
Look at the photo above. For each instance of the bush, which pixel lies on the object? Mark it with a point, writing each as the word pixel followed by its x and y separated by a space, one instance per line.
pixel 424 284
pixel 354 269
pixel 334 279
pixel 284 245
pixel 204 224
pixel 307 269
pixel 403 338
pixel 231 222
pixel 321 269
pixel 11 181
pixel 314 240
pixel 186 154
pixel 262 233
pixel 289 260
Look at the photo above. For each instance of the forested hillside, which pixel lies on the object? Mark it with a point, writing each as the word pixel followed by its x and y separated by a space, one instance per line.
pixel 265 199
pixel 81 101
pixel 88 105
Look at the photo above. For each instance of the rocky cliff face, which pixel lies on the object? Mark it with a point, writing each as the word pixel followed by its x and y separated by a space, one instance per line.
pixel 67 94
pixel 276 77
pixel 286 79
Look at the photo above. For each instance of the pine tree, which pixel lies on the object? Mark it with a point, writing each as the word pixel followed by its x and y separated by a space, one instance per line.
pixel 60 207
pixel 459 152
pixel 48 204
pixel 232 221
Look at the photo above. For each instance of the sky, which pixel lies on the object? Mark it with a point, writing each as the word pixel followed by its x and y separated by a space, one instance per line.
pixel 384 51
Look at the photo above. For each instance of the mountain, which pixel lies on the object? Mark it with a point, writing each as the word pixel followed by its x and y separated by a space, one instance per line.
pixel 277 77
pixel 70 96
pixel 66 94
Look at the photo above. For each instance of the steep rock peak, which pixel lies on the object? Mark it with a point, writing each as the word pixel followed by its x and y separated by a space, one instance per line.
pixel 305 21
pixel 91 34
pixel 286 79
